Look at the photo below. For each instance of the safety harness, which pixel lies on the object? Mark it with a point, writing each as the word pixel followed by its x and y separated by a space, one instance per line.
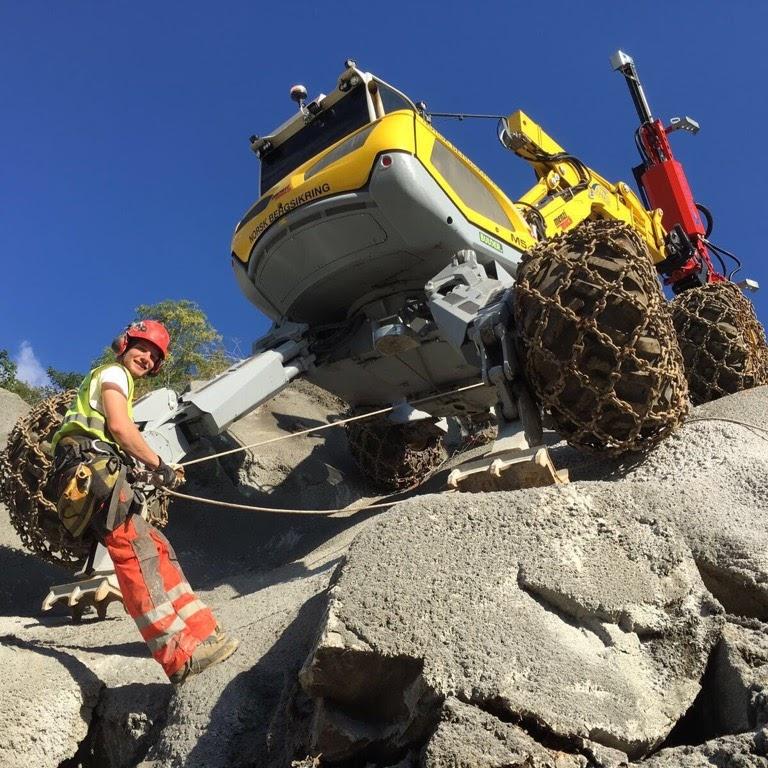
pixel 91 478
pixel 90 472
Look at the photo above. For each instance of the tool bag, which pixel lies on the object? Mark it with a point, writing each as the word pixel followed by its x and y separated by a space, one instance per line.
pixel 91 480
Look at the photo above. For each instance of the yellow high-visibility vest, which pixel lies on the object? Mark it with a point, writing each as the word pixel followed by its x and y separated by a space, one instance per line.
pixel 83 419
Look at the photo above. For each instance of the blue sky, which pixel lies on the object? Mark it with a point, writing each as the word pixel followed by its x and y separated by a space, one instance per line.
pixel 124 159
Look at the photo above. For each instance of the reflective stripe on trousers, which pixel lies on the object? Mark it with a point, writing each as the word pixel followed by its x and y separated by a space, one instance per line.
pixel 170 617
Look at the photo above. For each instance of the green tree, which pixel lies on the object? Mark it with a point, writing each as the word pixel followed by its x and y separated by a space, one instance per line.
pixel 9 382
pixel 197 350
pixel 7 370
pixel 64 380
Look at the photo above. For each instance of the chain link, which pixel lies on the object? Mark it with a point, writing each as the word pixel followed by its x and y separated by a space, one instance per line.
pixel 598 342
pixel 25 470
pixel 722 341
pixel 395 456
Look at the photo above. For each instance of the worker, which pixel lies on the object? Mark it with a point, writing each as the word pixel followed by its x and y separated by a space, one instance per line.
pixel 95 454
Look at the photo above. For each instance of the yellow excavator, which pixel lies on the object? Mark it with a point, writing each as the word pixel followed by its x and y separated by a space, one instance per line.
pixel 398 275
pixel 388 247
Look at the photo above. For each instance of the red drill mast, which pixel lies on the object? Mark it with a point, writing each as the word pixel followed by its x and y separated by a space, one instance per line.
pixel 664 185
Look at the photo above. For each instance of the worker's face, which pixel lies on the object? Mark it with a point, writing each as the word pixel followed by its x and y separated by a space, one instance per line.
pixel 140 358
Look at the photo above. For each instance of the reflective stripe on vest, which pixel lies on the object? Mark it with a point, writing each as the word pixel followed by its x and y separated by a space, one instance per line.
pixel 83 419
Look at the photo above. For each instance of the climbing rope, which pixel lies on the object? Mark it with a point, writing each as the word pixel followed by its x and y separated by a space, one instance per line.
pixel 353 509
pixel 339 423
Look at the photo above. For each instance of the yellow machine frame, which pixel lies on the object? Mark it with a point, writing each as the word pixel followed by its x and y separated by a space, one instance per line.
pixel 566 192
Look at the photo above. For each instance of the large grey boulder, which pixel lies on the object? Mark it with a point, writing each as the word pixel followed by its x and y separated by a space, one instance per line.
pixel 714 471
pixel 569 610
pixel 718 470
pixel 48 698
pixel 747 750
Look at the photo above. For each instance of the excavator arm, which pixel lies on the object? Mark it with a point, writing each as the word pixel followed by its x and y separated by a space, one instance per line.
pixel 568 192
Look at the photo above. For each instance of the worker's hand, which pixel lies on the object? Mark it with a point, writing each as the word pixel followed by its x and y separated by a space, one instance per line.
pixel 168 475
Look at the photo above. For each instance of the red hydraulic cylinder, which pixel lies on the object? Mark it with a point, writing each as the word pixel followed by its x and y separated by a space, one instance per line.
pixel 667 188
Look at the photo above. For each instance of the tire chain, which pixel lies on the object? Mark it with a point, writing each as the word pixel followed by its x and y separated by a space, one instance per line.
pixel 597 339
pixel 25 468
pixel 395 456
pixel 723 343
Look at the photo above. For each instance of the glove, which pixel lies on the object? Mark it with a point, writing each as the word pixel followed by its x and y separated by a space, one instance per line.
pixel 168 476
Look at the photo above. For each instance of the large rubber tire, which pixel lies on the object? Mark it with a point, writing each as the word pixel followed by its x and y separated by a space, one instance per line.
pixel 723 343
pixel 24 473
pixel 394 457
pixel 597 340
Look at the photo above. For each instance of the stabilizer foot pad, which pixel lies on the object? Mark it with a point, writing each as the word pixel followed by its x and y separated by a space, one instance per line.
pixel 95 592
pixel 508 471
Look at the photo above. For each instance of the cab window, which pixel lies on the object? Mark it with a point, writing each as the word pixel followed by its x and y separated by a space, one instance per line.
pixel 331 125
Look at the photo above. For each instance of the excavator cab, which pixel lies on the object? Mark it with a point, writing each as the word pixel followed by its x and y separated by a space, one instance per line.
pixel 358 100
pixel 361 197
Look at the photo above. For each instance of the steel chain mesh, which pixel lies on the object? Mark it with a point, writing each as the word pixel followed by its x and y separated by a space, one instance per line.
pixel 597 339
pixel 395 456
pixel 25 468
pixel 722 341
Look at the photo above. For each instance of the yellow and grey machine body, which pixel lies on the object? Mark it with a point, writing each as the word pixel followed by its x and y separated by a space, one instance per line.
pixel 384 241
pixel 354 233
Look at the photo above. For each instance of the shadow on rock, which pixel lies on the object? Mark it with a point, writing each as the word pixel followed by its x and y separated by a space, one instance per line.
pixel 251 722
pixel 594 466
pixel 125 723
pixel 288 423
pixel 86 680
pixel 247 583
pixel 25 582
pixel 215 543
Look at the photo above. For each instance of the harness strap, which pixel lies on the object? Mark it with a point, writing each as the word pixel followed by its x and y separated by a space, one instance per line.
pixel 119 501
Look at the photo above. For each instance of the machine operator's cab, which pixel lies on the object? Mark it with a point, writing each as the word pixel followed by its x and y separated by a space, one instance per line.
pixel 361 197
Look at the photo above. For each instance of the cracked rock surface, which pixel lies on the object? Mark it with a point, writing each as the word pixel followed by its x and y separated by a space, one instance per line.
pixel 747 750
pixel 569 609
pixel 467 736
pixel 561 627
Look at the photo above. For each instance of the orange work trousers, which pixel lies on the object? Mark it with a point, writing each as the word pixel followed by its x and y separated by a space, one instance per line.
pixel 157 596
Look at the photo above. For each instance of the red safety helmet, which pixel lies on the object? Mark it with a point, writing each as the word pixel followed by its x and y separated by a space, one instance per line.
pixel 150 330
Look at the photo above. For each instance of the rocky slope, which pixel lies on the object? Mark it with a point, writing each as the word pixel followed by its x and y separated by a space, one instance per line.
pixel 617 618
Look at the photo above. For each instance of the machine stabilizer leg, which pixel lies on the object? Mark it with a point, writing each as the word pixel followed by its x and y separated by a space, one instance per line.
pixel 518 457
pixel 170 425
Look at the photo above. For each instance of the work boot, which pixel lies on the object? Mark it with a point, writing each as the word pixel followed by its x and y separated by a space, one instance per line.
pixel 217 647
